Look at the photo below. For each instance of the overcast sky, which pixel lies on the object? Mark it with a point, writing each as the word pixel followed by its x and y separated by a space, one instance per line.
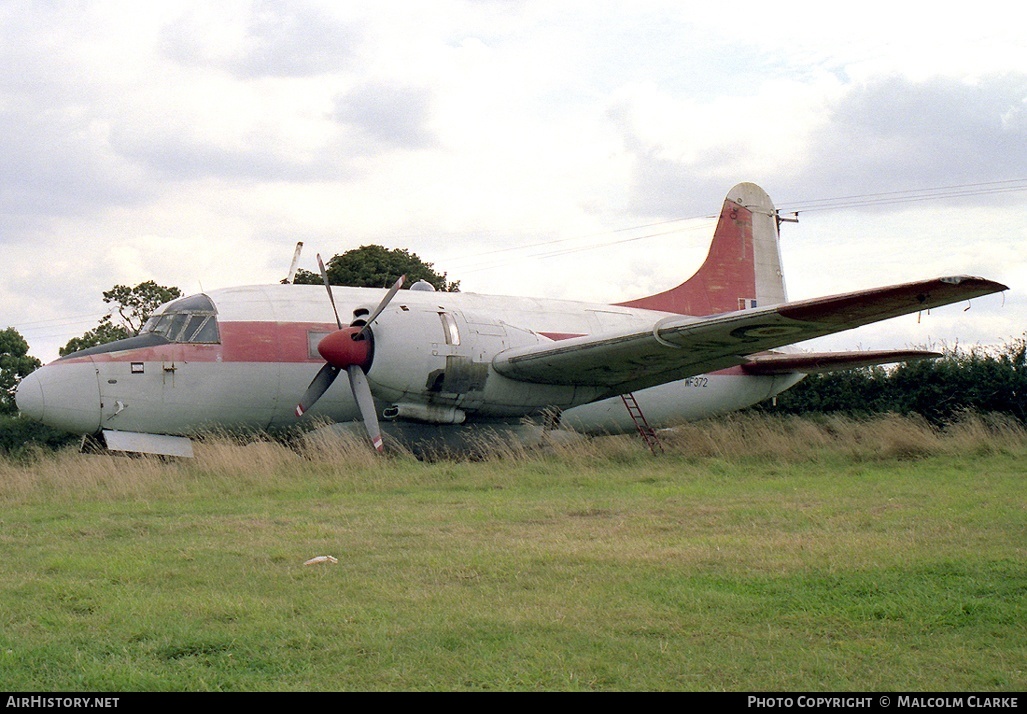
pixel 562 149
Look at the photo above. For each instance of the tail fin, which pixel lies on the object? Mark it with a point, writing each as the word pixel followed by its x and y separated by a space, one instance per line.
pixel 743 267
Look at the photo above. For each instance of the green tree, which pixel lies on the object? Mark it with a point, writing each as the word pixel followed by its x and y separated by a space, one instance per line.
pixel 133 307
pixel 103 333
pixel 976 379
pixel 940 390
pixel 15 363
pixel 21 437
pixel 373 266
pixel 857 392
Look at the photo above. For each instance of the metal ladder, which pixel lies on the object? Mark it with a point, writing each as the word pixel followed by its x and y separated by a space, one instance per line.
pixel 647 433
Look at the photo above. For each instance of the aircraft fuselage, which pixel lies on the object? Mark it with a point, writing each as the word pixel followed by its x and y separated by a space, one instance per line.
pixel 431 363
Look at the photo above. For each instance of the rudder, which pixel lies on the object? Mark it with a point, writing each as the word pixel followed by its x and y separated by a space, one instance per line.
pixel 742 269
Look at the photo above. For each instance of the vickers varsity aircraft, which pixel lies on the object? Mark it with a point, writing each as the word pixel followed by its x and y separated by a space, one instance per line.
pixel 423 364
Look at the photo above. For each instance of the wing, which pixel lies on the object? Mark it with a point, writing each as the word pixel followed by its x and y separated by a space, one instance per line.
pixel 676 346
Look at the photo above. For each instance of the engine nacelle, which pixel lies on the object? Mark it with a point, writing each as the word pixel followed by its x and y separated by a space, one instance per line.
pixel 435 366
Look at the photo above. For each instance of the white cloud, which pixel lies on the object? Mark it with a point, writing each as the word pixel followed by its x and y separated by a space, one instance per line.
pixel 194 143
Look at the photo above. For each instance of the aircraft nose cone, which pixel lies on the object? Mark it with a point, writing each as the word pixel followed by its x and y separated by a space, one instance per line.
pixel 64 395
pixel 340 350
pixel 29 397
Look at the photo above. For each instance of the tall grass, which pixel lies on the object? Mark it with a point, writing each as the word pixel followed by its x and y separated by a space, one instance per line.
pixel 757 553
pixel 237 462
pixel 791 438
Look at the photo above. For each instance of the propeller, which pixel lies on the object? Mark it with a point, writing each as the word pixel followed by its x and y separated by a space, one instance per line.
pixel 350 349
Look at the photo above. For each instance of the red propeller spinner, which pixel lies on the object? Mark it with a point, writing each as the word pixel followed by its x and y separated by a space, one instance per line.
pixel 347 347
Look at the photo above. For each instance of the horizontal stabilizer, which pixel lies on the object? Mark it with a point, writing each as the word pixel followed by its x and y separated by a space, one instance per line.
pixel 814 362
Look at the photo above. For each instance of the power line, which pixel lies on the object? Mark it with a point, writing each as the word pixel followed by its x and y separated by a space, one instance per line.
pixel 813 205
pixel 580 249
pixel 60 321
pixel 908 196
pixel 556 241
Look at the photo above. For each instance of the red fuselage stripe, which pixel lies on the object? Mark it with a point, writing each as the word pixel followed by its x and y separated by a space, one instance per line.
pixel 240 342
pixel 255 342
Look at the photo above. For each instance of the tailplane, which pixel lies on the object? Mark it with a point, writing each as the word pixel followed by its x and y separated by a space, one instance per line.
pixel 743 267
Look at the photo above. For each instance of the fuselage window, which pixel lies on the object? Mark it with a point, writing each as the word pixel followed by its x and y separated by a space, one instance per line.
pixel 450 329
pixel 314 338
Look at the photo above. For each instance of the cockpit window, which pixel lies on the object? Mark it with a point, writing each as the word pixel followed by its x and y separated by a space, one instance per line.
pixel 175 329
pixel 207 332
pixel 192 319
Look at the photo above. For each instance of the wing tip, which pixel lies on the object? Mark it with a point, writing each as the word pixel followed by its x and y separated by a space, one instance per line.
pixel 993 285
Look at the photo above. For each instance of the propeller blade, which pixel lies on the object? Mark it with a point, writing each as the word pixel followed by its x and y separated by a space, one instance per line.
pixel 381 306
pixel 362 393
pixel 318 386
pixel 295 264
pixel 324 276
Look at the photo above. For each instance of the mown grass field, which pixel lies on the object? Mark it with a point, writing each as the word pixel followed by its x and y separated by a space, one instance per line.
pixel 756 554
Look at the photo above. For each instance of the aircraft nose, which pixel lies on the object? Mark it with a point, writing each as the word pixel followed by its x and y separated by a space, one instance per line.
pixel 62 395
pixel 29 396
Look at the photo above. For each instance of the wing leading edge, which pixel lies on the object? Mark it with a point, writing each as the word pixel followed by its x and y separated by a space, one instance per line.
pixel 677 347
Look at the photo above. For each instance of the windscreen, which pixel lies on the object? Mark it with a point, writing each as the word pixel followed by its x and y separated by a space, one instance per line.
pixel 192 319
